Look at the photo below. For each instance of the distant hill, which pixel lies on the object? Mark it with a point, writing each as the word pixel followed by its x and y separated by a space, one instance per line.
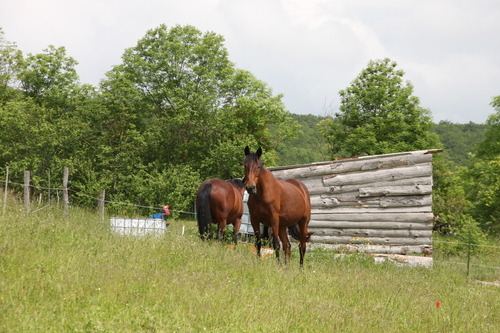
pixel 458 139
pixel 308 147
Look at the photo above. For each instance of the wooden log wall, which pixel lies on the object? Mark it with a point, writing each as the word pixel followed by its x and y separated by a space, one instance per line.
pixel 382 203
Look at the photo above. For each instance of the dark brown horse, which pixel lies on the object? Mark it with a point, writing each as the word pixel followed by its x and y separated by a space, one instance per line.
pixel 278 204
pixel 219 202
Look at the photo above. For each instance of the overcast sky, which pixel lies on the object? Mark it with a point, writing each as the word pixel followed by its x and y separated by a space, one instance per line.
pixel 306 49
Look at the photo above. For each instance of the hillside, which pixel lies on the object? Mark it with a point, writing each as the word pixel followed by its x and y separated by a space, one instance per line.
pixel 459 141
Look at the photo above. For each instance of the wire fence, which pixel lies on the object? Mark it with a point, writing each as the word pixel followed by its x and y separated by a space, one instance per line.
pixel 79 193
pixel 481 271
pixel 102 201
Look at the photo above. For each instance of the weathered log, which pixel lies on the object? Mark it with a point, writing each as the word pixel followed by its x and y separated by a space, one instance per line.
pixel 315 185
pixel 328 201
pixel 420 170
pixel 370 233
pixel 421 217
pixel 313 224
pixel 417 181
pixel 395 190
pixel 371 240
pixel 371 210
pixel 362 248
pixel 352 165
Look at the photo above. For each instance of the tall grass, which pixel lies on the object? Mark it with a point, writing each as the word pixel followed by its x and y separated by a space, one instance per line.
pixel 74 275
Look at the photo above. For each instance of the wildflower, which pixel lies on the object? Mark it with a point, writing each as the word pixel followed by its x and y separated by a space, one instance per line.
pixel 438 304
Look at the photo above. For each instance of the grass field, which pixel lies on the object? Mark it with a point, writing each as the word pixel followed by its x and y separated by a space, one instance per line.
pixel 74 275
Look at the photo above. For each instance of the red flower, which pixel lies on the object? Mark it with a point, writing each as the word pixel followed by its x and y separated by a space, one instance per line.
pixel 438 304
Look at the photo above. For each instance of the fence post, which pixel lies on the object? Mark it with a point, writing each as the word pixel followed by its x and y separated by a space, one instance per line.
pixel 48 196
pixel 6 188
pixel 27 192
pixel 102 195
pixel 468 256
pixel 65 192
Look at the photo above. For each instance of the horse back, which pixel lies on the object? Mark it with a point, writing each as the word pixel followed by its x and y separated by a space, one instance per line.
pixel 225 201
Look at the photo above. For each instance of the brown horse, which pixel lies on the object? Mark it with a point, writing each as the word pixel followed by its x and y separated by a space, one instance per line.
pixel 278 204
pixel 219 202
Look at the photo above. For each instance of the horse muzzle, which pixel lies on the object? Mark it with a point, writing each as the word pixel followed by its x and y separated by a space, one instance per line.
pixel 251 189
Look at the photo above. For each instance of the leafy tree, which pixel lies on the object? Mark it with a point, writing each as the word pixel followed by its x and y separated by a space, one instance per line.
pixel 11 62
pixel 379 115
pixel 50 78
pixel 36 133
pixel 459 140
pixel 175 112
pixel 481 184
pixel 192 106
pixel 307 147
pixel 489 148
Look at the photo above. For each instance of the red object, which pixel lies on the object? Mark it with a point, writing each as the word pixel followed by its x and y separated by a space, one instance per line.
pixel 438 304
pixel 165 208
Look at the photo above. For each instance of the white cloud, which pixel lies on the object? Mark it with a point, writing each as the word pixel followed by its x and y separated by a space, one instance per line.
pixel 306 49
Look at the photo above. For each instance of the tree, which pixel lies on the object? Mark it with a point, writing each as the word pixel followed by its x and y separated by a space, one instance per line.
pixel 11 62
pixel 36 131
pixel 175 112
pixel 50 78
pixel 308 147
pixel 459 140
pixel 379 115
pixel 489 147
pixel 193 107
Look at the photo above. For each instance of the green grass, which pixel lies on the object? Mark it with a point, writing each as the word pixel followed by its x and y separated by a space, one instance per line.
pixel 74 275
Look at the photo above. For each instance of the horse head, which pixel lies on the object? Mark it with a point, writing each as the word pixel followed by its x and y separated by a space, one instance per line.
pixel 253 166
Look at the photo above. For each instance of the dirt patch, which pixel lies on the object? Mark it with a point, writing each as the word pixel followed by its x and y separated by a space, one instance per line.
pixel 485 283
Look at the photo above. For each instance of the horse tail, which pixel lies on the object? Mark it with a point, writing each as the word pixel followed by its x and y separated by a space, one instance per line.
pixel 295 232
pixel 203 213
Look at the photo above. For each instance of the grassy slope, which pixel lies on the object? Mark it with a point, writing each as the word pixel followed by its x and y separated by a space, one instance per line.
pixel 75 276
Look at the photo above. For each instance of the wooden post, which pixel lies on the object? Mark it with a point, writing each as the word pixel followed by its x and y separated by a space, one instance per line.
pixel 27 191
pixel 6 188
pixel 48 196
pixel 65 192
pixel 102 195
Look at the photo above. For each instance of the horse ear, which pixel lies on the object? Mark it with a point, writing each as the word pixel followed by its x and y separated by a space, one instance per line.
pixel 259 152
pixel 247 150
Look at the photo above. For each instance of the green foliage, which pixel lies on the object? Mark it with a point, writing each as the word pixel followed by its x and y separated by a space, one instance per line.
pixel 481 183
pixel 466 200
pixel 49 78
pixel 190 100
pixel 490 146
pixel 459 140
pixel 307 147
pixel 379 115
pixel 11 61
pixel 174 113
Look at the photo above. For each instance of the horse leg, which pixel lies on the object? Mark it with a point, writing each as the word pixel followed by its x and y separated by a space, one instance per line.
pixel 236 229
pixel 303 236
pixel 286 244
pixel 276 241
pixel 222 227
pixel 258 240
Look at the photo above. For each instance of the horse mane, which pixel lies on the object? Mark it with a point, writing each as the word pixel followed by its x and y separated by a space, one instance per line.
pixel 238 182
